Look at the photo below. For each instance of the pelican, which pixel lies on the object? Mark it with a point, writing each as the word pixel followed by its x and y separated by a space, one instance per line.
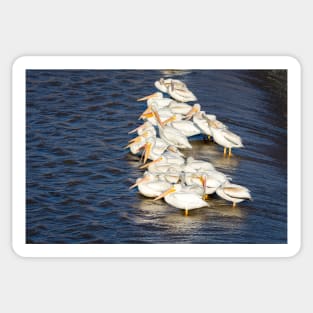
pixel 171 135
pixel 180 94
pixel 225 138
pixel 150 186
pixel 177 197
pixel 233 193
pixel 176 89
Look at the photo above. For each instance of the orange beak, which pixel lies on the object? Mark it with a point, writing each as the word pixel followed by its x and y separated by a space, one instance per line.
pixel 157 116
pixel 147 97
pixel 165 193
pixel 170 119
pixel 139 181
pixel 146 115
pixel 152 162
pixel 135 140
pixel 203 181
pixel 136 129
pixel 148 147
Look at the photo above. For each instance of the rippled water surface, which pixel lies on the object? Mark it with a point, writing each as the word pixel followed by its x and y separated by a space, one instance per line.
pixel 78 174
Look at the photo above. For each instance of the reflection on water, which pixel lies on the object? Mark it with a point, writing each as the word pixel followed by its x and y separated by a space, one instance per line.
pixel 78 174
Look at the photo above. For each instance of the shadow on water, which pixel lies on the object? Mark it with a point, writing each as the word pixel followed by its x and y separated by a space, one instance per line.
pixel 78 173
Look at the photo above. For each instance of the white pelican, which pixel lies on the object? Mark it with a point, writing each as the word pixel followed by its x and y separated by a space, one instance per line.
pixel 180 94
pixel 225 138
pixel 176 89
pixel 171 135
pixel 233 193
pixel 187 128
pixel 150 186
pixel 185 200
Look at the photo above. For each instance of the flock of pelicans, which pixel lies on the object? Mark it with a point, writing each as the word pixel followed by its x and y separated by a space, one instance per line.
pixel 184 183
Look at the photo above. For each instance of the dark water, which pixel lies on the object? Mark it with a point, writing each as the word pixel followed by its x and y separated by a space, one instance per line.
pixel 78 173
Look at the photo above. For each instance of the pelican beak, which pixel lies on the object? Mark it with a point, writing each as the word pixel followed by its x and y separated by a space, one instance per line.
pixel 136 129
pixel 146 115
pixel 139 181
pixel 165 193
pixel 147 97
pixel 170 119
pixel 135 140
pixel 157 116
pixel 128 146
pixel 203 181
pixel 148 110
pixel 147 152
pixel 150 163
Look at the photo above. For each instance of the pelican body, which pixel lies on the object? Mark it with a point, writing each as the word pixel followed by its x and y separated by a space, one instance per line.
pixel 185 200
pixel 176 89
pixel 150 186
pixel 233 193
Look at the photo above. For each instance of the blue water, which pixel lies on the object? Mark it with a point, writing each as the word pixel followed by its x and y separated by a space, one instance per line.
pixel 78 174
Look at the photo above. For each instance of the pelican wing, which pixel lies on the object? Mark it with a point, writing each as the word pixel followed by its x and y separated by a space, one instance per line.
pixel 159 186
pixel 233 138
pixel 175 137
pixel 237 192
pixel 186 127
pixel 187 200
pixel 182 95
